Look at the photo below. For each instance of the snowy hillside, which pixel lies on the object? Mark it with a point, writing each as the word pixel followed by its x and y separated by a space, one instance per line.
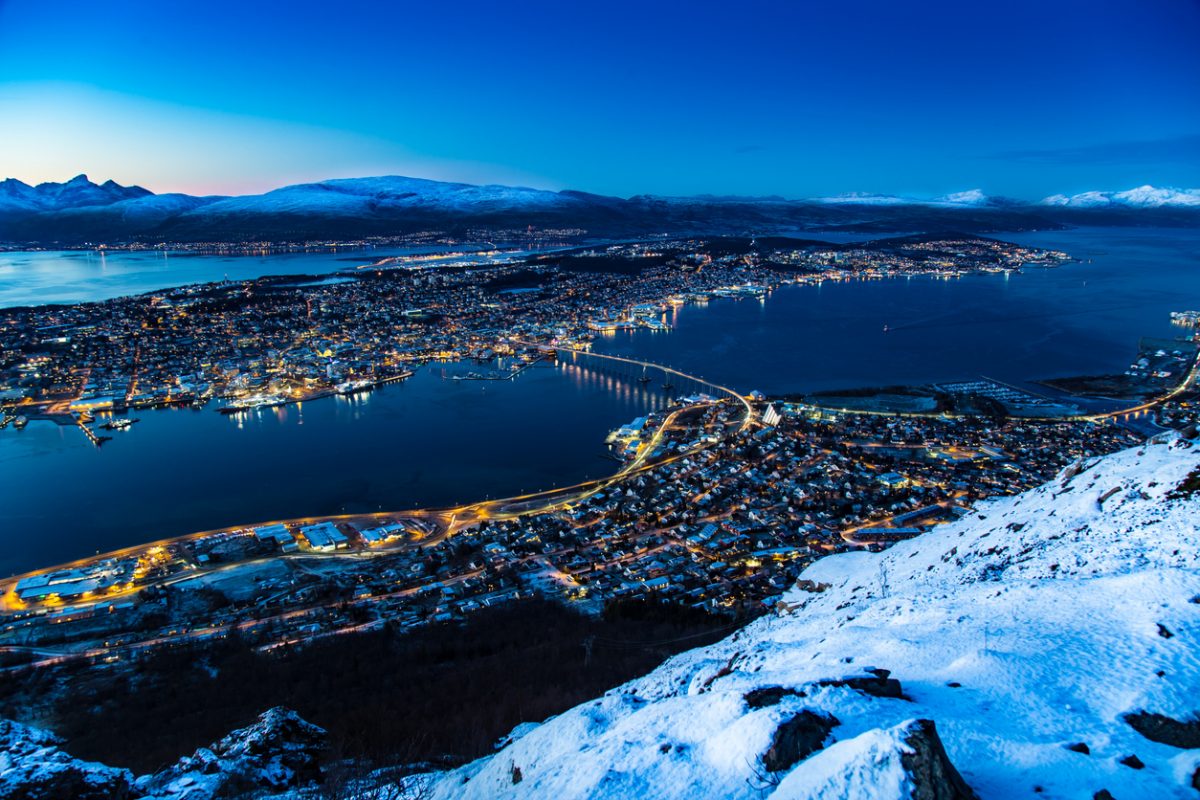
pixel 1026 632
pixel 79 211
pixel 271 757
pixel 78 192
pixel 365 196
pixel 1141 197
pixel 1046 645
pixel 969 199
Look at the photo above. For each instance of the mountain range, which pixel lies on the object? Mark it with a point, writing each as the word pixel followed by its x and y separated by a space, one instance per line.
pixel 1042 646
pixel 80 211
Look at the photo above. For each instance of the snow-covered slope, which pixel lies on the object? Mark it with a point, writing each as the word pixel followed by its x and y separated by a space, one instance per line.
pixel 276 754
pixel 972 198
pixel 1047 645
pixel 1026 632
pixel 78 192
pixel 147 210
pixel 32 765
pixel 366 196
pixel 79 211
pixel 1140 197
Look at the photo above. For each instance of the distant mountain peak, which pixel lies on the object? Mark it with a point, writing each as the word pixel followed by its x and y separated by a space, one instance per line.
pixel 971 197
pixel 78 192
pixel 1146 196
pixel 79 210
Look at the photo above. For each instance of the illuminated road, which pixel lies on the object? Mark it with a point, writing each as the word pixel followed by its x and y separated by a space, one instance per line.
pixel 746 422
pixel 1184 385
pixel 448 521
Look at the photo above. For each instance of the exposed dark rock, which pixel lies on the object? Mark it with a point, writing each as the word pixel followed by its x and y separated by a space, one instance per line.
pixel 71 782
pixel 33 767
pixel 1165 730
pixel 878 684
pixel 933 776
pixel 797 739
pixel 1164 631
pixel 769 696
pixel 1080 747
pixel 1132 761
pixel 279 751
pixel 1103 794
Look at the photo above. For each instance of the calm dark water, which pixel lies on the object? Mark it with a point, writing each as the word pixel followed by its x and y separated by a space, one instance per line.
pixel 1077 319
pixel 425 442
pixel 437 442
pixel 80 276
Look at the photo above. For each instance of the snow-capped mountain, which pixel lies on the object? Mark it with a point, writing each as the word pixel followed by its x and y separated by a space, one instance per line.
pixel 1050 638
pixel 364 196
pixel 972 198
pixel 1140 197
pixel 78 192
pixel 81 211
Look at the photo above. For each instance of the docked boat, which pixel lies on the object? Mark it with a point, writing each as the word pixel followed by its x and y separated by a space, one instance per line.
pixel 350 387
pixel 21 421
pixel 118 424
pixel 252 402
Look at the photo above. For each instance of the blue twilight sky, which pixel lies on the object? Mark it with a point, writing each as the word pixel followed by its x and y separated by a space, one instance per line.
pixel 802 98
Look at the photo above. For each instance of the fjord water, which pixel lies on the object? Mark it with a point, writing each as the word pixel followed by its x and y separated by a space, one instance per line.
pixel 437 442
pixel 430 441
pixel 1078 319
pixel 29 278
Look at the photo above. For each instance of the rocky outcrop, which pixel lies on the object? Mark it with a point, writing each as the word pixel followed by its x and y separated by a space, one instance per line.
pixel 768 696
pixel 796 739
pixel 1026 630
pixel 877 684
pixel 1165 730
pixel 928 767
pixel 279 751
pixel 34 767
pixel 1021 629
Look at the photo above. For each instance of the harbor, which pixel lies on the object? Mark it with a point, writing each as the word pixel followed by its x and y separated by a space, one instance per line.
pixel 429 440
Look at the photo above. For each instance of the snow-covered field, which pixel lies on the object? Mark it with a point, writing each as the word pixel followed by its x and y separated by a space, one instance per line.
pixel 1032 625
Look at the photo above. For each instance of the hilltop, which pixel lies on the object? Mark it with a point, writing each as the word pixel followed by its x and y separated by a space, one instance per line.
pixel 1045 645
pixel 1048 642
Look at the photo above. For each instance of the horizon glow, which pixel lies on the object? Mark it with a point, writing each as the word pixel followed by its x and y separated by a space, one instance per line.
pixel 926 99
